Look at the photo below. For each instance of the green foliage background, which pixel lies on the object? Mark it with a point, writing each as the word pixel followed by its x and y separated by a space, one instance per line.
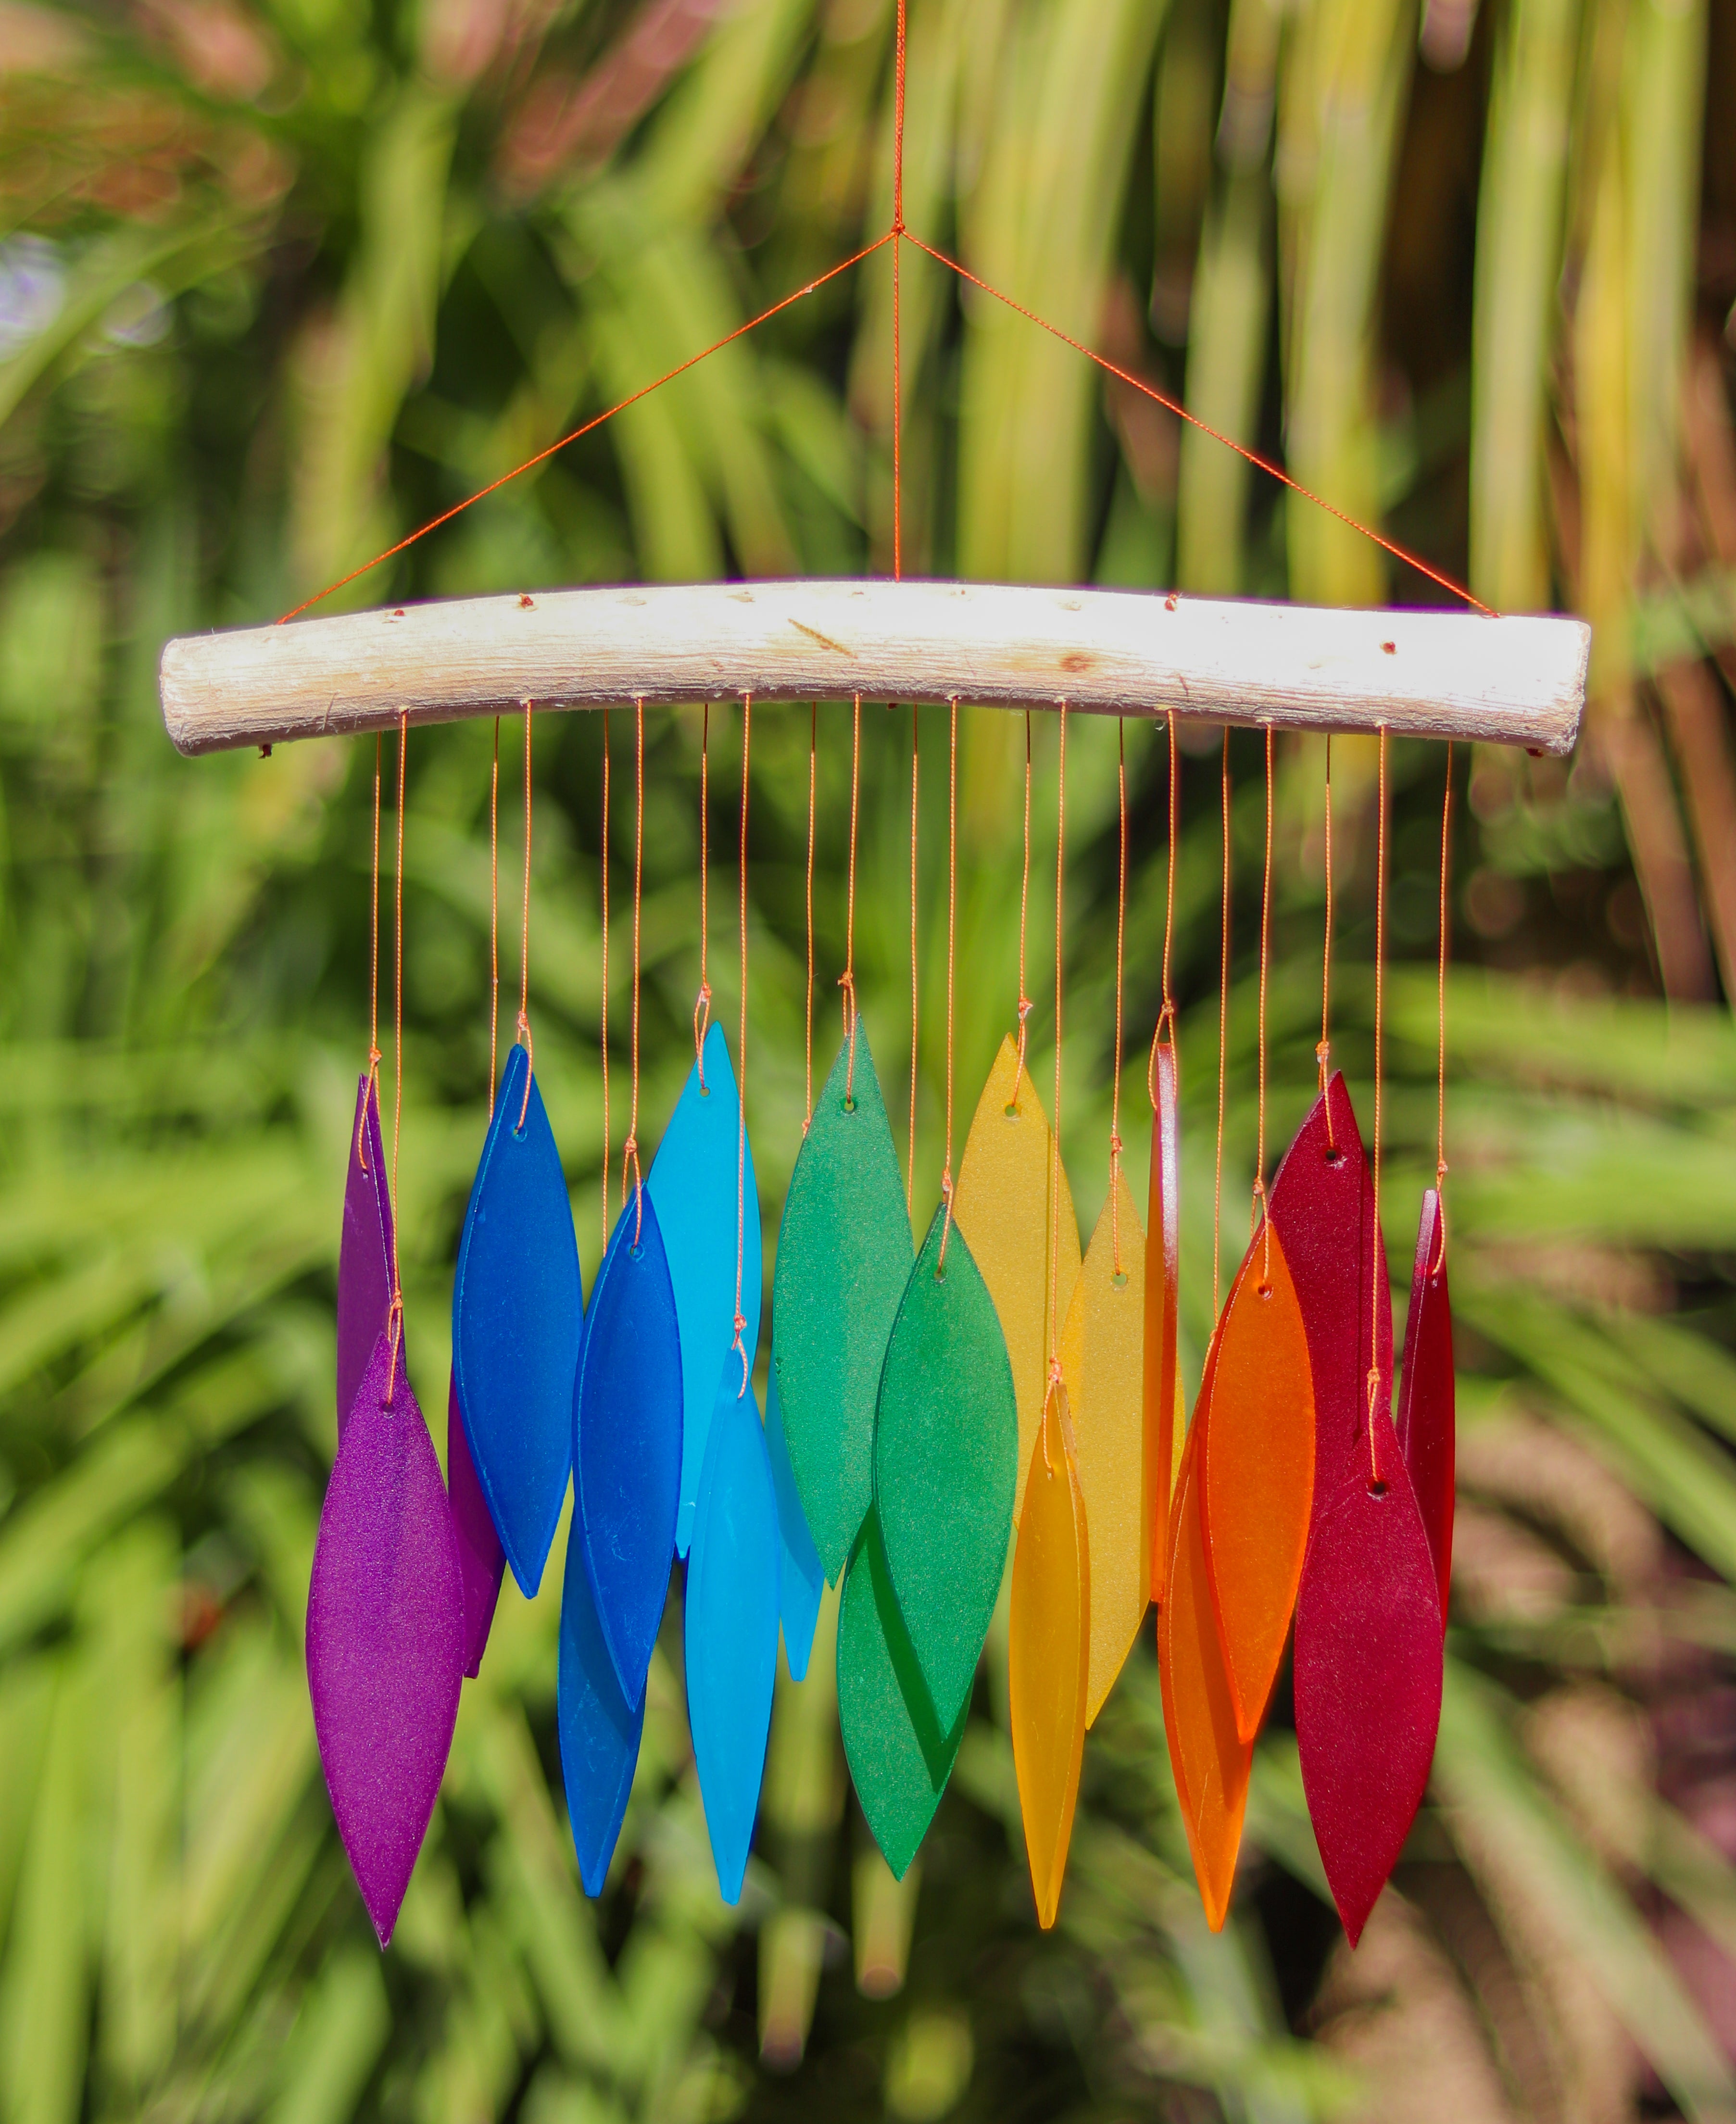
pixel 280 284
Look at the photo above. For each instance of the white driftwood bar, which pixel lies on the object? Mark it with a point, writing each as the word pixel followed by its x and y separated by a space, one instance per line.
pixel 1428 673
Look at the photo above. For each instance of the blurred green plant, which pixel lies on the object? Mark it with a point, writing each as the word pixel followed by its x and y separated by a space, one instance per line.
pixel 276 286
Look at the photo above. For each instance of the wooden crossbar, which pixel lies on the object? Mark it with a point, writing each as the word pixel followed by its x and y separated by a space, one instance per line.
pixel 1423 674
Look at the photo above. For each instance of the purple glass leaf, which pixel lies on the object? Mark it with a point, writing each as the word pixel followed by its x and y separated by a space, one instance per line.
pixel 481 1560
pixel 364 1260
pixel 385 1637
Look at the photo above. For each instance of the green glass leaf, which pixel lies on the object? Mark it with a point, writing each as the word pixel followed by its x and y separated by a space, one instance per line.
pixel 844 1259
pixel 899 1760
pixel 946 1461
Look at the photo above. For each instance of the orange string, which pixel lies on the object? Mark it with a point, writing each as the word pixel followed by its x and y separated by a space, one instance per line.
pixel 1223 1039
pixel 494 915
pixel 909 1188
pixel 1380 999
pixel 630 1149
pixel 1025 1004
pixel 374 1055
pixel 1440 1259
pixel 1258 1206
pixel 847 979
pixel 1323 1053
pixel 1166 1014
pixel 1054 1321
pixel 946 1176
pixel 1121 933
pixel 395 1317
pixel 896 231
pixel 813 746
pixel 702 1002
pixel 603 874
pixel 525 939
pixel 738 1346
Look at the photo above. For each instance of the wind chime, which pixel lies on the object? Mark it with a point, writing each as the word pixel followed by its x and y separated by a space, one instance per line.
pixel 929 1409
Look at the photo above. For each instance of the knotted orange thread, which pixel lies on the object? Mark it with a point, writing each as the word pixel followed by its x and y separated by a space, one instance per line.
pixel 738 1346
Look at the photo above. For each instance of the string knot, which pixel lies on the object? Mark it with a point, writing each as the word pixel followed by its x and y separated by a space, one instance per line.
pixel 395 1342
pixel 740 1347
pixel 1440 1172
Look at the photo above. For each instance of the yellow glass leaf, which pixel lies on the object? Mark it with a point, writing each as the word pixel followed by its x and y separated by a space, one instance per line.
pixel 1001 1204
pixel 1208 1756
pixel 1048 1645
pixel 1257 1469
pixel 1103 1361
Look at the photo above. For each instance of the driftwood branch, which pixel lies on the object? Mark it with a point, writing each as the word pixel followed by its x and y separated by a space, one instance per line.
pixel 1432 674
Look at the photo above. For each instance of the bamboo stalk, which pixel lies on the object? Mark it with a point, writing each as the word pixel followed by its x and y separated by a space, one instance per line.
pixel 1433 674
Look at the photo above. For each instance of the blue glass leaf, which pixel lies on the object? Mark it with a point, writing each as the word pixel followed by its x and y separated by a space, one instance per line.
pixel 800 1575
pixel 693 1184
pixel 732 1624
pixel 516 1311
pixel 364 1261
pixel 626 1458
pixel 599 1736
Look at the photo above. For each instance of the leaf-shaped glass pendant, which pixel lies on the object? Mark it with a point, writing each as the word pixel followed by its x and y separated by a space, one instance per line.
pixel 900 1759
pixel 385 1635
pixel 1208 1756
pixel 1255 1472
pixel 731 1624
pixel 1427 1422
pixel 1322 1207
pixel 693 1184
pixel 1048 1651
pixel 364 1256
pixel 1163 1278
pixel 626 1448
pixel 945 1441
pixel 1368 1659
pixel 1103 1361
pixel 800 1579
pixel 844 1259
pixel 517 1312
pixel 481 1560
pixel 1002 1205
pixel 600 1731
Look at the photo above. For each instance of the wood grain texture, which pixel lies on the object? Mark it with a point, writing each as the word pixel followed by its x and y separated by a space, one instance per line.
pixel 1519 681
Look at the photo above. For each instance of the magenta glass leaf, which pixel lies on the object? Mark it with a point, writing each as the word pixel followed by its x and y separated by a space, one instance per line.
pixel 364 1252
pixel 1368 1657
pixel 1323 1211
pixel 481 1560
pixel 385 1637
pixel 1426 1419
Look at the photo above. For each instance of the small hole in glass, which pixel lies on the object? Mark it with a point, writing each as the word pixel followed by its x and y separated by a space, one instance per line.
pixel 1120 1279
pixel 846 1106
pixel 1377 1489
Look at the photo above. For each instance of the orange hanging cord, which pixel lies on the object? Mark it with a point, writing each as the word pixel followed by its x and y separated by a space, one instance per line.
pixel 1025 1004
pixel 494 915
pixel 603 875
pixel 524 938
pixel 1257 1217
pixel 1374 1381
pixel 910 1185
pixel 946 1175
pixel 847 979
pixel 1166 1014
pixel 702 1002
pixel 1323 1053
pixel 807 1020
pixel 1061 873
pixel 1440 1259
pixel 1120 935
pixel 1223 1042
pixel 374 1054
pixel 739 1345
pixel 630 1149
pixel 395 1316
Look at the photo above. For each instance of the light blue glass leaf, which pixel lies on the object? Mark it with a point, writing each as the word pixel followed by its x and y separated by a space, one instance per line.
pixel 732 1624
pixel 800 1576
pixel 627 1456
pixel 599 1735
pixel 516 1313
pixel 693 1184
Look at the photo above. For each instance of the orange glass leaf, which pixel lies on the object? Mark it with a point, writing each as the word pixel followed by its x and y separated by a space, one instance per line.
pixel 1002 1206
pixel 1257 1465
pixel 1163 1263
pixel 1102 1363
pixel 1048 1649
pixel 1209 1757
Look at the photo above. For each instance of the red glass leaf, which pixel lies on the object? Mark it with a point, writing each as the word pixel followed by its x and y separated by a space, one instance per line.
pixel 1163 1261
pixel 1426 1419
pixel 1368 1658
pixel 1322 1204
